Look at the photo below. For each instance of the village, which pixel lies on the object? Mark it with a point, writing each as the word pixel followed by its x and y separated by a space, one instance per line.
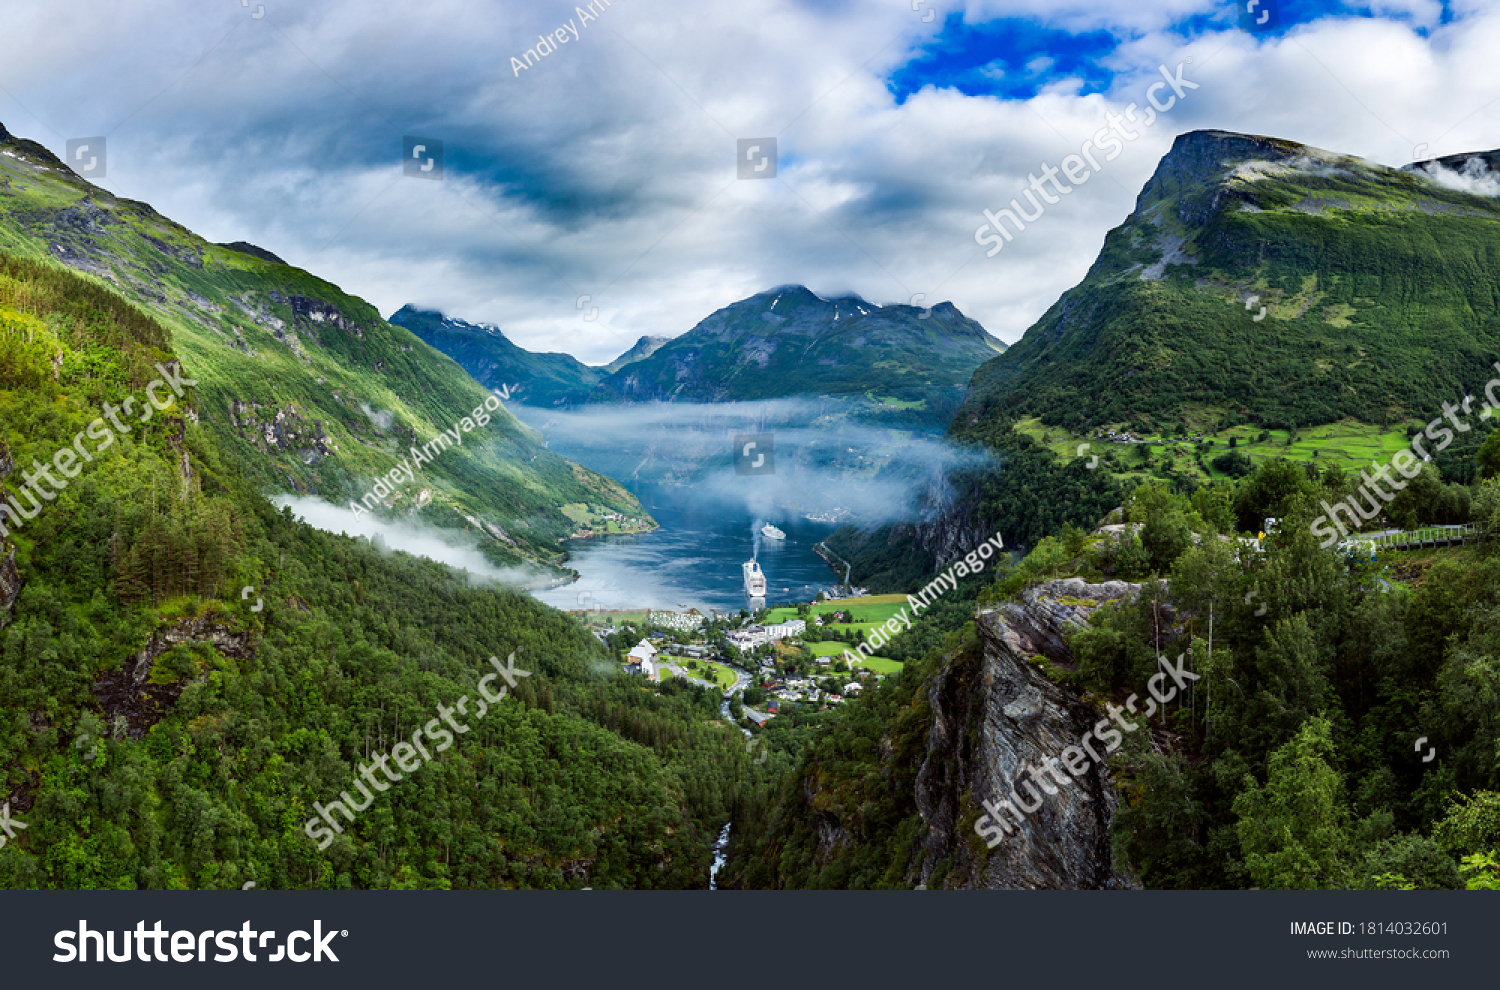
pixel 790 658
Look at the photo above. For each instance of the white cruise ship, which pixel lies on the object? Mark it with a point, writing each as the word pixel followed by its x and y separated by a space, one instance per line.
pixel 772 533
pixel 755 581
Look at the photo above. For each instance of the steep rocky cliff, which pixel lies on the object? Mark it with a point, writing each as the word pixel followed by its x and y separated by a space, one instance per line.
pixel 892 797
pixel 10 585
pixel 128 696
pixel 994 718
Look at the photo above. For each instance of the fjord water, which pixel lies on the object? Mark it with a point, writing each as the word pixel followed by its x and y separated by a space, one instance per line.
pixel 694 559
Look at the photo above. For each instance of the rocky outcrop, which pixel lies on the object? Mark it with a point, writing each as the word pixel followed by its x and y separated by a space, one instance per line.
pixel 128 693
pixel 286 432
pixel 10 585
pixel 995 716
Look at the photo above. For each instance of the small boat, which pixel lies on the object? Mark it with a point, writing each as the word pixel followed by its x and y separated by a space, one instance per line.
pixel 772 533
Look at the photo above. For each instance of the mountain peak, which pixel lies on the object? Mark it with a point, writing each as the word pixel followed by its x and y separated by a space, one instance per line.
pixel 1257 252
pixel 495 361
pixel 1201 163
pixel 644 348
pixel 1489 159
pixel 1474 172
pixel 4 134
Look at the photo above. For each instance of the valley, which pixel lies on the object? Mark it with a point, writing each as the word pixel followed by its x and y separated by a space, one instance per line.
pixel 975 566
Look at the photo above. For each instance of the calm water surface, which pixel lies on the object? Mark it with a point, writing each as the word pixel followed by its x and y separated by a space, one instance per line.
pixel 694 560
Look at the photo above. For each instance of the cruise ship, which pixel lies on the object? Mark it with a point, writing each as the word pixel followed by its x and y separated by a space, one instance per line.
pixel 755 581
pixel 772 533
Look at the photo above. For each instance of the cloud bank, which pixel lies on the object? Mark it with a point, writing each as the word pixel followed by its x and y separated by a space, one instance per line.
pixel 608 170
pixel 443 546
pixel 828 462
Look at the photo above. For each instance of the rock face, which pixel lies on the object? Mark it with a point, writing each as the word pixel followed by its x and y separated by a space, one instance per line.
pixel 287 431
pixel 994 718
pixel 128 694
pixel 10 585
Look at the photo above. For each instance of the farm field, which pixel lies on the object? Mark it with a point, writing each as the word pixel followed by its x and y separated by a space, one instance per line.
pixel 1349 444
pixel 868 612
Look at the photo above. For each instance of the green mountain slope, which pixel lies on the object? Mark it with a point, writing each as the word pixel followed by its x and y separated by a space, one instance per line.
pixel 304 382
pixel 642 349
pixel 495 362
pixel 158 729
pixel 789 341
pixel 1379 287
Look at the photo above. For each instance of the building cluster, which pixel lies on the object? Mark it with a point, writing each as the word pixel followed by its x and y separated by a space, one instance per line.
pixel 805 689
pixel 1128 437
pixel 681 621
pixel 758 635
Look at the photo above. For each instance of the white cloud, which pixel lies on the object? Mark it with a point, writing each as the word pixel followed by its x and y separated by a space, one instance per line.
pixel 441 545
pixel 1473 178
pixel 608 169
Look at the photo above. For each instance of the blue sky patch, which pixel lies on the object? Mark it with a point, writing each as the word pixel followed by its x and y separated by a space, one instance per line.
pixel 1011 58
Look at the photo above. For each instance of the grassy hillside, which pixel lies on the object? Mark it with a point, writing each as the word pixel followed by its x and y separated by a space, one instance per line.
pixel 304 383
pixel 160 730
pixel 1378 285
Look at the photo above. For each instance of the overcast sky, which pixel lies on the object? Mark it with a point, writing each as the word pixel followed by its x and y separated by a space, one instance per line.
pixel 608 168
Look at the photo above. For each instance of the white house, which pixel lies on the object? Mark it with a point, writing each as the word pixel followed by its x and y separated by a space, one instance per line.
pixel 642 657
pixel 759 635
pixel 853 687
